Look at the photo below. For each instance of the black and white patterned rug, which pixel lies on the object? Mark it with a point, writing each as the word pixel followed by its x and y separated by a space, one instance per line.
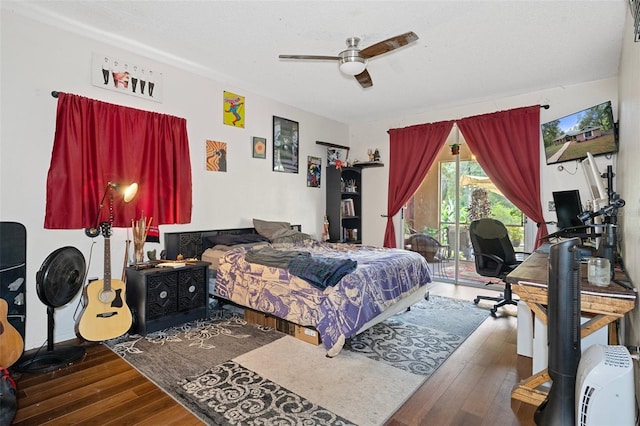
pixel 228 372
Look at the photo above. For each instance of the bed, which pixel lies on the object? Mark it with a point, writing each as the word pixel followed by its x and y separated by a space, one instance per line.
pixel 383 283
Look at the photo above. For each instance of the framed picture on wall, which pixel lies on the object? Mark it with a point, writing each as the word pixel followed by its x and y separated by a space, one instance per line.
pixel 336 154
pixel 131 77
pixel 233 106
pixel 314 165
pixel 259 147
pixel 286 138
pixel 216 156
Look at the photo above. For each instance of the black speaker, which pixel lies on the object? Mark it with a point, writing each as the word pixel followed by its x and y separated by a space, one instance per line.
pixel 13 273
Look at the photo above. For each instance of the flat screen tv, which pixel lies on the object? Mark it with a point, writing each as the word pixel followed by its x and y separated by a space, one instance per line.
pixel 570 138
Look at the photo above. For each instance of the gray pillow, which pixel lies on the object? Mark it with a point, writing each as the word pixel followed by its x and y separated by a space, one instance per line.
pixel 268 228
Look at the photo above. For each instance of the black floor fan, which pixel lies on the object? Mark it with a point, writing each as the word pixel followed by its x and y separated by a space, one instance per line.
pixel 59 279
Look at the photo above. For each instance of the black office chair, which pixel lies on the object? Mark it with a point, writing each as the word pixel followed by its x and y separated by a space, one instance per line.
pixel 494 257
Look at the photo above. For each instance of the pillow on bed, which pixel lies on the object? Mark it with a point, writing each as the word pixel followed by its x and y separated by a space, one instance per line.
pixel 213 254
pixel 268 228
pixel 233 239
pixel 289 236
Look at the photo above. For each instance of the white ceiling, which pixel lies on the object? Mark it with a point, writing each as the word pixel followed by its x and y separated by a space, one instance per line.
pixel 467 51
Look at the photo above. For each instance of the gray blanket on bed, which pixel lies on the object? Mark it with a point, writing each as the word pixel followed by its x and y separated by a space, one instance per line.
pixel 320 272
pixel 269 256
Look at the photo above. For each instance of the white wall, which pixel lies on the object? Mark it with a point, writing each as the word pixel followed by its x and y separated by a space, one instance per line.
pixel 562 100
pixel 38 58
pixel 628 184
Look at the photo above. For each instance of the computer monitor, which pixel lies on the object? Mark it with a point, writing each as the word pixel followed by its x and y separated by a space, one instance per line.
pixel 568 207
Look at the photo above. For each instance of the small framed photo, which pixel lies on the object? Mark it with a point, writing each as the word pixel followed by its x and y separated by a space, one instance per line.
pixel 259 147
pixel 285 145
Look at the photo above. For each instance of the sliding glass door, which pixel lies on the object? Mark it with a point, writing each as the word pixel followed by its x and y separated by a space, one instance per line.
pixel 455 192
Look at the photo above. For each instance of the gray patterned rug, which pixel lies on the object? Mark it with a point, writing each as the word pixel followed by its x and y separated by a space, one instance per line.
pixel 228 372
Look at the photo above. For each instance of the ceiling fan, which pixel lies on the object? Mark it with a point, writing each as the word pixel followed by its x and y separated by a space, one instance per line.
pixel 353 61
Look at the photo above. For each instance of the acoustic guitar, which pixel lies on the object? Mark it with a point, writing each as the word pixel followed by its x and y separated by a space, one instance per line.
pixel 11 344
pixel 105 314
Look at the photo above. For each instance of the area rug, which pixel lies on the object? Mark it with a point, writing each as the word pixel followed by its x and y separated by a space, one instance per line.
pixel 228 372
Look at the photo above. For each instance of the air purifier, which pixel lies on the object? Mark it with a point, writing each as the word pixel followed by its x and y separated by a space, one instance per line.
pixel 605 393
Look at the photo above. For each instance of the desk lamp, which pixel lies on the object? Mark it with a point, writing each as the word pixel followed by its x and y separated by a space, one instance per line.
pixel 128 193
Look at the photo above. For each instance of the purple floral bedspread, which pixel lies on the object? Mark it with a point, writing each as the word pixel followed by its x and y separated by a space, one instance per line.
pixel 383 277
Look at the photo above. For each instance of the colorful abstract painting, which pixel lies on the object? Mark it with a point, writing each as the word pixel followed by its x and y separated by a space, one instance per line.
pixel 216 156
pixel 233 109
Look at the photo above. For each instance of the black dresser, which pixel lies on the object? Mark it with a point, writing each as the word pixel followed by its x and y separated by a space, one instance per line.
pixel 164 297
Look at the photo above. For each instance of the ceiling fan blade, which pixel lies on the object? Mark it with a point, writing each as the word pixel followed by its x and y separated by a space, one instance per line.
pixel 388 45
pixel 314 57
pixel 364 79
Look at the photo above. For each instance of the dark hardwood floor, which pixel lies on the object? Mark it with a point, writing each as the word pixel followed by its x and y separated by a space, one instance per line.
pixel 473 387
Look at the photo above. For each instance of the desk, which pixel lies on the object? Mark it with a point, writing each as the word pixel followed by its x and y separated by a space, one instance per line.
pixel 604 305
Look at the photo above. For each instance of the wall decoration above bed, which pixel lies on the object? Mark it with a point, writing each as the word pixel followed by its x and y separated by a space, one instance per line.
pixel 314 165
pixel 126 76
pixel 233 107
pixel 216 156
pixel 259 147
pixel 286 137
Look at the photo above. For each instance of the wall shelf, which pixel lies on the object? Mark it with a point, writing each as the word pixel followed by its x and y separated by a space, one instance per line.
pixel 332 145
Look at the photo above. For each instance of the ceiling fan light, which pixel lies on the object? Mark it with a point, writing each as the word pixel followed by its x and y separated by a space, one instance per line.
pixel 352 65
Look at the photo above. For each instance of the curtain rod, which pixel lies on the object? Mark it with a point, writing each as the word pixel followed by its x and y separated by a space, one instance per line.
pixel 545 106
pixel 55 95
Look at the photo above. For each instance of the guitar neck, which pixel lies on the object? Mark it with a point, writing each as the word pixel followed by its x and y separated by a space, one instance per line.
pixel 107 264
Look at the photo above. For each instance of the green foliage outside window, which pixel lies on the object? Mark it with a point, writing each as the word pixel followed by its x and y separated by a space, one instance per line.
pixel 494 205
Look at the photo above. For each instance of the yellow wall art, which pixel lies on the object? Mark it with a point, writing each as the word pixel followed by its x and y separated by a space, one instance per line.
pixel 233 106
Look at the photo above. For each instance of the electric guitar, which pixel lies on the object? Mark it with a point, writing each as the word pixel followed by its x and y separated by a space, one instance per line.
pixel 106 314
pixel 11 343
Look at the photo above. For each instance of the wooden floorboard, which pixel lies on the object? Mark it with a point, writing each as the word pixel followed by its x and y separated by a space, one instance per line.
pixel 473 387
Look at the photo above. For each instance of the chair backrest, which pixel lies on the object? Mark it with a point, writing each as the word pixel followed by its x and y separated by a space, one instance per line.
pixel 490 236
pixel 426 245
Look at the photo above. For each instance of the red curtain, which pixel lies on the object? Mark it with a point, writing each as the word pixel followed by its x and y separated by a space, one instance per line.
pixel 412 150
pixel 507 146
pixel 96 143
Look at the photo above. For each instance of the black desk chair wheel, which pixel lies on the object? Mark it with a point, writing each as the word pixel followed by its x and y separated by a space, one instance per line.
pixel 494 257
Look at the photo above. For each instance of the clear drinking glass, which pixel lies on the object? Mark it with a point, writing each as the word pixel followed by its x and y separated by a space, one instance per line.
pixel 599 271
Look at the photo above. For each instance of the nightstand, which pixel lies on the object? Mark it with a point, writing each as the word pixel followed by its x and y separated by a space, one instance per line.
pixel 165 297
